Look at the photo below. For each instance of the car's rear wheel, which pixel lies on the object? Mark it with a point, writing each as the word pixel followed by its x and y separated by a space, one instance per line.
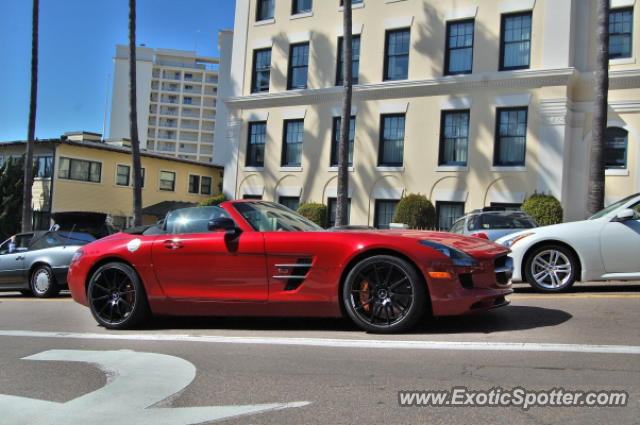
pixel 43 283
pixel 116 296
pixel 384 294
pixel 551 268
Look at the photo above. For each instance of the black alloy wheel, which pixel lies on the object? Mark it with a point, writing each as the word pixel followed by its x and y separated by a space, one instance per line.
pixel 384 294
pixel 116 296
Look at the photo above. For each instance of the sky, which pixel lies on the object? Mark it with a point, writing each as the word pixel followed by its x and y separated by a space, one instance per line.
pixel 77 40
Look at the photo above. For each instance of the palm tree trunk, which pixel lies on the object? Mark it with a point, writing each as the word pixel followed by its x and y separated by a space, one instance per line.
pixel 595 196
pixel 27 209
pixel 342 206
pixel 133 118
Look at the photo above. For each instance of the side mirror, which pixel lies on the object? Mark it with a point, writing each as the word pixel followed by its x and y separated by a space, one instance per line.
pixel 624 215
pixel 223 224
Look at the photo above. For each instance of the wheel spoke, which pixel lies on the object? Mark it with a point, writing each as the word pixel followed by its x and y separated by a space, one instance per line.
pixel 102 288
pixel 377 274
pixel 386 311
pixel 366 303
pixel 103 297
pixel 540 262
pixel 387 279
pixel 538 275
pixel 395 284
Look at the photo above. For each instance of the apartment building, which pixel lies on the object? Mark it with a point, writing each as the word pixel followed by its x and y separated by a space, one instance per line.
pixel 471 103
pixel 176 98
pixel 79 173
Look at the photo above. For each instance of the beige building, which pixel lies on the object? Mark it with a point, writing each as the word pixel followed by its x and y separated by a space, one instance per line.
pixel 78 174
pixel 472 103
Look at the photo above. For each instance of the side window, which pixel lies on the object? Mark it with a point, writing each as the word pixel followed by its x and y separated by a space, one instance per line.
pixel 22 242
pixel 457 226
pixel 192 220
pixel 4 248
pixel 636 208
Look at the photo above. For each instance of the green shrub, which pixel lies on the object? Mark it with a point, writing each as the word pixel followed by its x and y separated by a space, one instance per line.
pixel 416 211
pixel 214 200
pixel 314 212
pixel 545 209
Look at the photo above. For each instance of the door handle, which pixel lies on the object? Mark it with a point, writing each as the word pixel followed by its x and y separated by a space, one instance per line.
pixel 173 244
pixel 20 257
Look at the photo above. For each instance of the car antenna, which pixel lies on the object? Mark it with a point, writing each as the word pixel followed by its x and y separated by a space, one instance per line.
pixel 65 239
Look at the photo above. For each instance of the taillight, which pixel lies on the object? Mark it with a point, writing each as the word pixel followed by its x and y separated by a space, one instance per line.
pixel 480 235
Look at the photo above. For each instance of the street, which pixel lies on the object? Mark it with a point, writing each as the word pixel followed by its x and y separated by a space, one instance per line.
pixel 54 360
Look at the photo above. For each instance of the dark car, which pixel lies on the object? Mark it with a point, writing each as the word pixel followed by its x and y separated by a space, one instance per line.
pixel 492 223
pixel 37 262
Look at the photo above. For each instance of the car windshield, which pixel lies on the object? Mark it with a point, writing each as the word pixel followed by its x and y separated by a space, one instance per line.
pixel 192 220
pixel 271 217
pixel 76 238
pixel 613 207
pixel 501 221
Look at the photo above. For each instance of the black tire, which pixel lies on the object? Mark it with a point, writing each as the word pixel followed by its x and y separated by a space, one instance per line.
pixel 551 268
pixel 116 297
pixel 43 283
pixel 384 294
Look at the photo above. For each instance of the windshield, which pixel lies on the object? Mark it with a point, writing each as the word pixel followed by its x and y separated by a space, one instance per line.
pixel 612 207
pixel 268 217
pixel 500 221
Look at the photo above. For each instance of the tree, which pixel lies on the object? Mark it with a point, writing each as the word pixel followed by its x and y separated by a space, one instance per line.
pixel 416 211
pixel 595 195
pixel 27 208
pixel 133 119
pixel 342 207
pixel 11 193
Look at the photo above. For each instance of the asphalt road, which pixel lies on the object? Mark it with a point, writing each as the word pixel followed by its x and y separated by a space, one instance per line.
pixel 58 367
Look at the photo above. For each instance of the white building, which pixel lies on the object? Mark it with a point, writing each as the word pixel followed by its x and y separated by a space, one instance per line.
pixel 176 96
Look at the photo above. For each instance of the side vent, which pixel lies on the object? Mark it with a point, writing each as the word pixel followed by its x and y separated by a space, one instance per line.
pixel 293 274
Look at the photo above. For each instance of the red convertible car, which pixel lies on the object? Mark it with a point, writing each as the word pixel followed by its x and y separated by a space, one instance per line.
pixel 256 258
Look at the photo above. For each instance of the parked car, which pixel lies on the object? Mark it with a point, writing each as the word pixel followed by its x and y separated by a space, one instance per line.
pixel 492 223
pixel 256 258
pixel 604 247
pixel 37 262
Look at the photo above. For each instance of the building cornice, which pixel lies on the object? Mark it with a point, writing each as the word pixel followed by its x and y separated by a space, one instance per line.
pixel 410 88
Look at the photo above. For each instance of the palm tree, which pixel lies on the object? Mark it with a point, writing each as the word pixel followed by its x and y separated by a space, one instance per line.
pixel 27 209
pixel 342 207
pixel 595 195
pixel 133 118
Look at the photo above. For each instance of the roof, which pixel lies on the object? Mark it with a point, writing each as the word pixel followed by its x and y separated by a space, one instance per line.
pixel 162 208
pixel 106 147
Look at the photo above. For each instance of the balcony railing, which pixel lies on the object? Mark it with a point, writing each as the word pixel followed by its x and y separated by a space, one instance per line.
pixel 207 139
pixel 189 137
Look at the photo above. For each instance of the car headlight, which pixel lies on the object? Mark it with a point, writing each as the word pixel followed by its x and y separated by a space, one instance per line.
pixel 458 258
pixel 509 242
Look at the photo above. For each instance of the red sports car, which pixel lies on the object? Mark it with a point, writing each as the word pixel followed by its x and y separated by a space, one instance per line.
pixel 256 258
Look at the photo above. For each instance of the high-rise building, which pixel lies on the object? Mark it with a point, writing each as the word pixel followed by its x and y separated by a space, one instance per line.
pixel 471 103
pixel 176 98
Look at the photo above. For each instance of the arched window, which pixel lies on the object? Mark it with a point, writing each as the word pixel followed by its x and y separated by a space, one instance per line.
pixel 615 148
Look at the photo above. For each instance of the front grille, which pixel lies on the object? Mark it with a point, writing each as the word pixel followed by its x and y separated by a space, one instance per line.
pixel 504 269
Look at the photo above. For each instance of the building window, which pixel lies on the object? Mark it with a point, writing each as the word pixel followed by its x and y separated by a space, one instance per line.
pixel 205 185
pixel 168 181
pixel 292 143
pixel 335 140
pixel 459 49
pixel 264 10
pixel 255 144
pixel 194 184
pixel 43 166
pixel 391 140
pixel 187 101
pixel 396 55
pixel 291 202
pixel 79 169
pixel 385 209
pixel 454 137
pixel 332 205
pixel 298 66
pixel 261 70
pixel 301 6
pixel 254 197
pixel 620 33
pixel 615 150
pixel 515 41
pixel 122 175
pixel 511 136
pixel 352 2
pixel 447 213
pixel 355 58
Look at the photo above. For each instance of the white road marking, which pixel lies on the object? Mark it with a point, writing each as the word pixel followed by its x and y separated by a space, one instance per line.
pixel 135 381
pixel 341 343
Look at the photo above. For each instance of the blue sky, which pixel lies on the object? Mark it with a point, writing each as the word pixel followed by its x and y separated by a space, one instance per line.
pixel 77 44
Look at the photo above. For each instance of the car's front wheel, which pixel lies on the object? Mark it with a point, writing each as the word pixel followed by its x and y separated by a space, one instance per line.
pixel 384 294
pixel 43 283
pixel 551 268
pixel 116 296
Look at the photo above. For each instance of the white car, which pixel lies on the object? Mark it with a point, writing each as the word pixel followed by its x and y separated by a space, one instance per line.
pixel 603 247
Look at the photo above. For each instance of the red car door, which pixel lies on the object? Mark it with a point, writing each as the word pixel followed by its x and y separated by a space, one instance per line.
pixel 209 266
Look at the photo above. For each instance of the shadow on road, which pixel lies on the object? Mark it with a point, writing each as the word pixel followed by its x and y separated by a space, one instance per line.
pixel 504 319
pixel 589 287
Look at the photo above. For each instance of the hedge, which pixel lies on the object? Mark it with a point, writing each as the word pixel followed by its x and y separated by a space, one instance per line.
pixel 214 200
pixel 315 212
pixel 416 211
pixel 545 209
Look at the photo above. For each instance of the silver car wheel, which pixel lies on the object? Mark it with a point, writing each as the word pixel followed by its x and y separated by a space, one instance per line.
pixel 42 280
pixel 551 269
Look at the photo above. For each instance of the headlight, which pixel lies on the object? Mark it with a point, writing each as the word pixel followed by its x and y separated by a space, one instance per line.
pixel 508 243
pixel 458 257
